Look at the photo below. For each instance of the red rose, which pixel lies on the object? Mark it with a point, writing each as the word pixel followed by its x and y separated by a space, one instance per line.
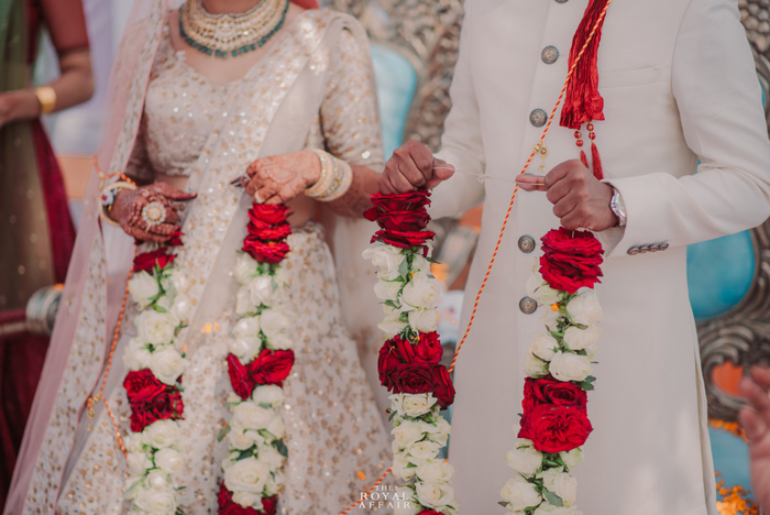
pixel 443 388
pixel 260 214
pixel 142 386
pixel 271 367
pixel 175 239
pixel 266 252
pixel 414 378
pixel 240 378
pixel 556 428
pixel 430 512
pixel 409 201
pixel 228 507
pixel 146 261
pixel 547 390
pixel 277 232
pixel 403 349
pixel 269 505
pixel 386 365
pixel 403 240
pixel 571 259
pixel 151 400
pixel 428 349
pixel 407 221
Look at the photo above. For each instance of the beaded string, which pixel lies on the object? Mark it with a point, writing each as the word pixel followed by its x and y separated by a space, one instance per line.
pixel 538 149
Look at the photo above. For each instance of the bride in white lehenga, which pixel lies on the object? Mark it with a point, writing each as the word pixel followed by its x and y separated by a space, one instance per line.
pixel 311 87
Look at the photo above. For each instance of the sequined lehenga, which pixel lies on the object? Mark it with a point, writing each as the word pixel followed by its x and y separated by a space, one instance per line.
pixel 314 87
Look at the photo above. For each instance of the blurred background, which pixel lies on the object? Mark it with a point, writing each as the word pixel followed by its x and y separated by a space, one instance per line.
pixel 414 47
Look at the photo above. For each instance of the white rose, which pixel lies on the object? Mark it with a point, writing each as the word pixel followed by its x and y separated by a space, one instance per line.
pixel 245 350
pixel 269 395
pixel 170 460
pixel 269 455
pixel 572 458
pixel 561 484
pixel 273 322
pixel 133 442
pixel 585 309
pixel 387 290
pixel 182 307
pixel 392 323
pixel 261 290
pixel 136 356
pixel 535 367
pixel 143 287
pixel 156 328
pixel 179 282
pixel 167 364
pixel 157 502
pixel 544 346
pixel 245 268
pixel 247 328
pixel 440 431
pixel 420 265
pixel 407 433
pixel 240 437
pixel 243 304
pixel 402 468
pixel 422 292
pixel 161 434
pixel 566 366
pixel 404 502
pixel 520 494
pixel 551 319
pixel 414 405
pixel 386 259
pixel 420 452
pixel 434 495
pixel 524 458
pixel 550 509
pixel 252 415
pixel 435 471
pixel 138 463
pixel 246 499
pixel 424 320
pixel 539 290
pixel 247 475
pixel 276 427
pixel 273 483
pixel 581 339
pixel 280 341
pixel 164 302
pixel 159 480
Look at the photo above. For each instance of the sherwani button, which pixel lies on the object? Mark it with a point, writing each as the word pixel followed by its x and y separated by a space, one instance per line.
pixel 528 305
pixel 561 1
pixel 664 246
pixel 526 244
pixel 550 54
pixel 538 117
pixel 644 249
pixel 655 248
pixel 633 251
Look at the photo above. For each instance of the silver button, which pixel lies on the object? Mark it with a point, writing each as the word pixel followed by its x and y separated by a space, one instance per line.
pixel 528 305
pixel 633 251
pixel 538 118
pixel 526 244
pixel 550 54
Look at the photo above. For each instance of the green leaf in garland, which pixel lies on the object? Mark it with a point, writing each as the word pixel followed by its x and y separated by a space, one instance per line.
pixel 222 433
pixel 552 498
pixel 247 453
pixel 281 448
pixel 403 269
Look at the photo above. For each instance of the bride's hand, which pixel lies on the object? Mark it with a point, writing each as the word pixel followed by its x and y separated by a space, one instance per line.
pixel 278 179
pixel 148 213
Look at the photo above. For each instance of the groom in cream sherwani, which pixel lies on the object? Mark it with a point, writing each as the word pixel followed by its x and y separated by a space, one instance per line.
pixel 679 86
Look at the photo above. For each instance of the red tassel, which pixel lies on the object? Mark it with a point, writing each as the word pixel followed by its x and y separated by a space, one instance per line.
pixel 582 102
pixel 597 161
pixel 583 158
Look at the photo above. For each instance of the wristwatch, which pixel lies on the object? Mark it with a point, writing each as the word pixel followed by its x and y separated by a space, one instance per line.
pixel 618 207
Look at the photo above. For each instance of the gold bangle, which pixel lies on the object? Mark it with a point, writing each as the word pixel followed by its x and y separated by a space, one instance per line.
pixel 46 95
pixel 114 186
pixel 343 179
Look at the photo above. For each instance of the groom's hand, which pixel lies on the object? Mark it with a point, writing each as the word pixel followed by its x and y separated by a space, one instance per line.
pixel 413 166
pixel 579 199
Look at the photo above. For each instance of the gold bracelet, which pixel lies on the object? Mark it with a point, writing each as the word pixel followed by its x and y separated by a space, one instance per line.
pixel 114 186
pixel 46 95
pixel 327 174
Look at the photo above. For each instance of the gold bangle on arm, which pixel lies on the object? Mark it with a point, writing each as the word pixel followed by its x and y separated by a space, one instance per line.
pixel 343 179
pixel 107 197
pixel 46 96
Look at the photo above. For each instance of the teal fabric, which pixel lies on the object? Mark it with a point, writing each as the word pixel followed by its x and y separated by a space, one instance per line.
pixel 720 273
pixel 396 85
pixel 731 458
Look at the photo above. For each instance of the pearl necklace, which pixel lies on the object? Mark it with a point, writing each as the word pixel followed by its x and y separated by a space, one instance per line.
pixel 223 35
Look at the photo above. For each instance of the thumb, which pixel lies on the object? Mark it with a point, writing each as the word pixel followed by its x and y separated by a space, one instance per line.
pixel 441 172
pixel 752 423
pixel 169 191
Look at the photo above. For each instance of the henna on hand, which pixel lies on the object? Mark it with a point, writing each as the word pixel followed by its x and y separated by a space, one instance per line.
pixel 278 179
pixel 129 207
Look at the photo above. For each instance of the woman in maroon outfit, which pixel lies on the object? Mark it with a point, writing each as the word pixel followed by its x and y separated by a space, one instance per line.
pixel 36 231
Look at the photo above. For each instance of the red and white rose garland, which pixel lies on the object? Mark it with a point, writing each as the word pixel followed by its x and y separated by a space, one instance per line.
pixel 554 424
pixel 260 359
pixel 154 381
pixel 409 362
